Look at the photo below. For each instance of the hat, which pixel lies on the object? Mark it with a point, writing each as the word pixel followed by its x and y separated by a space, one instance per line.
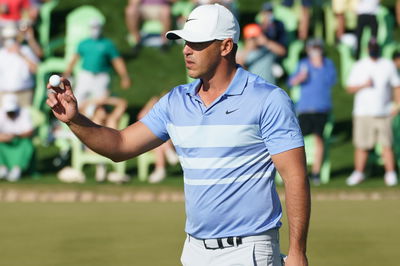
pixel 9 31
pixel 207 23
pixel 252 30
pixel 267 6
pixel 315 43
pixel 9 103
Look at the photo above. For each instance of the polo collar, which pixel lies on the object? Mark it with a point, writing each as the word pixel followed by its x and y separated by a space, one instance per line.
pixel 236 87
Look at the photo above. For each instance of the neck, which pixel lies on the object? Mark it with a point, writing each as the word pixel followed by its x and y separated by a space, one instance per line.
pixel 217 83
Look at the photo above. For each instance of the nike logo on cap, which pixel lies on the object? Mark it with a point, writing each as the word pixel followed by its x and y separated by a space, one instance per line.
pixel 189 19
pixel 229 112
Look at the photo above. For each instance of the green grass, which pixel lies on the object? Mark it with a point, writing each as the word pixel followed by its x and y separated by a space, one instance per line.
pixel 101 234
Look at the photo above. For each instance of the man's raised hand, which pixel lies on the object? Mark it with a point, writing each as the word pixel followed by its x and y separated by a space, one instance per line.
pixel 62 101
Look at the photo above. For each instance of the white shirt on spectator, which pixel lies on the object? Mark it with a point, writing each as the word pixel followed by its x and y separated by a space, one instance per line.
pixel 14 70
pixel 22 124
pixel 376 100
pixel 368 7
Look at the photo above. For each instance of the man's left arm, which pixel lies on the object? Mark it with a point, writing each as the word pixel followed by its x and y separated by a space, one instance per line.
pixel 291 165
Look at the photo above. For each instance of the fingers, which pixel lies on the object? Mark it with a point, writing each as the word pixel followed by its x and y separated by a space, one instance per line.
pixel 67 84
pixel 51 99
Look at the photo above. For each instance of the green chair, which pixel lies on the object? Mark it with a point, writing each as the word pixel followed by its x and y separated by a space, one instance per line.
pixel 309 144
pixel 293 56
pixel 44 26
pixel 144 162
pixel 330 23
pixel 346 62
pixel 77 29
pixel 396 139
pixel 81 156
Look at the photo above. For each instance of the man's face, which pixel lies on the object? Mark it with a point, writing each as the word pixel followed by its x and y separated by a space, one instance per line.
pixel 201 59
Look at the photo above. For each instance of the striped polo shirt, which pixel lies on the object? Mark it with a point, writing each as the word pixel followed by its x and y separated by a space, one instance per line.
pixel 225 151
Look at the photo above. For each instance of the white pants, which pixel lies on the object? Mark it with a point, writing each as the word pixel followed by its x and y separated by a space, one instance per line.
pixel 91 86
pixel 261 250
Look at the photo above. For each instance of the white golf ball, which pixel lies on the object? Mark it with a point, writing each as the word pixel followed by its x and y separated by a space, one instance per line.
pixel 55 81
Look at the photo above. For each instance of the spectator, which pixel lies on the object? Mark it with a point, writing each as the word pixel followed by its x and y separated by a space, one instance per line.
pixel 398 12
pixel 163 153
pixel 316 75
pixel 264 44
pixel 304 18
pixel 18 63
pixel 12 10
pixel 138 10
pixel 366 10
pixel 256 57
pixel 372 80
pixel 98 55
pixel 339 8
pixel 16 147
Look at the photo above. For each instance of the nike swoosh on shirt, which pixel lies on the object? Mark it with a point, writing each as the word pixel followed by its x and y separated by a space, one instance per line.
pixel 229 112
pixel 189 19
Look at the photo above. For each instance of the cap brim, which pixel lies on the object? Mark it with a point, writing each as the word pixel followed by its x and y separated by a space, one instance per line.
pixel 187 36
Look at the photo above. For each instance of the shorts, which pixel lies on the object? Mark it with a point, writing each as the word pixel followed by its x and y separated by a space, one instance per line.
pixel 91 85
pixel 313 123
pixel 306 3
pixel 25 97
pixel 264 252
pixel 341 6
pixel 369 131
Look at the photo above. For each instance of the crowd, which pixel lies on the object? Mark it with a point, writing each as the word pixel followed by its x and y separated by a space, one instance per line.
pixel 268 43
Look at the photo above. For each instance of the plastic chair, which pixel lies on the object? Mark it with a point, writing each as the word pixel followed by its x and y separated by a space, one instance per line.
pixel 144 162
pixel 396 140
pixel 44 26
pixel 77 29
pixel 293 55
pixel 309 144
pixel 346 62
pixel 81 156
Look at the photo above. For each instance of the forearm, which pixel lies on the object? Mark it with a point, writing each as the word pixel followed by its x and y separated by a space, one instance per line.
pixel 298 206
pixel 275 47
pixel 120 68
pixel 94 136
pixel 71 65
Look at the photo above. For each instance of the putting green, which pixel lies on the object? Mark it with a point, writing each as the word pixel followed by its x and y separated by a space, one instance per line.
pixel 83 234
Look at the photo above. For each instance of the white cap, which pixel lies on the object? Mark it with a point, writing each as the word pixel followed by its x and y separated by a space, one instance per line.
pixel 207 23
pixel 9 31
pixel 9 103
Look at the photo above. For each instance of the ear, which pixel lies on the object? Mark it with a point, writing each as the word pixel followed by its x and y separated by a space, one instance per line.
pixel 226 46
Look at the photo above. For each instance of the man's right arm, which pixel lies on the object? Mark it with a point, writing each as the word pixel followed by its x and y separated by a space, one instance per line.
pixel 118 145
pixel 114 144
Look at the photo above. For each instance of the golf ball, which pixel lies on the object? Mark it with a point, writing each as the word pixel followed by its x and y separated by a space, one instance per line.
pixel 55 81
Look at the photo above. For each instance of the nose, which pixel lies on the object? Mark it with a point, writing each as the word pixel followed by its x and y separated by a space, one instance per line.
pixel 187 50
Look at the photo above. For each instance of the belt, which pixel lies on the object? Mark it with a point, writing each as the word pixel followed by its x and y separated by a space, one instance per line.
pixel 226 242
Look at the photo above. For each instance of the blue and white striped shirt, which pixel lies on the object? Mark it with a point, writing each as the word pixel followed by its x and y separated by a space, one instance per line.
pixel 225 151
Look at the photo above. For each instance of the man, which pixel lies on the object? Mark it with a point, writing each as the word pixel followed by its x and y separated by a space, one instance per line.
pixel 306 6
pixel 230 129
pixel 374 81
pixel 264 45
pixel 138 10
pixel 16 129
pixel 98 54
pixel 18 64
pixel 316 76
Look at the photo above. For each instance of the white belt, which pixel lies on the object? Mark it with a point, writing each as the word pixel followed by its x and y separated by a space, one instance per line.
pixel 233 241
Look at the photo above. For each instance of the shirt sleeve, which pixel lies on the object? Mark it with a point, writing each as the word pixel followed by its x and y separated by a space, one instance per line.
pixel 355 78
pixel 112 50
pixel 279 126
pixel 157 118
pixel 394 76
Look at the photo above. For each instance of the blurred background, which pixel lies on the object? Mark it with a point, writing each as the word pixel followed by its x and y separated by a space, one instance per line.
pixel 85 210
